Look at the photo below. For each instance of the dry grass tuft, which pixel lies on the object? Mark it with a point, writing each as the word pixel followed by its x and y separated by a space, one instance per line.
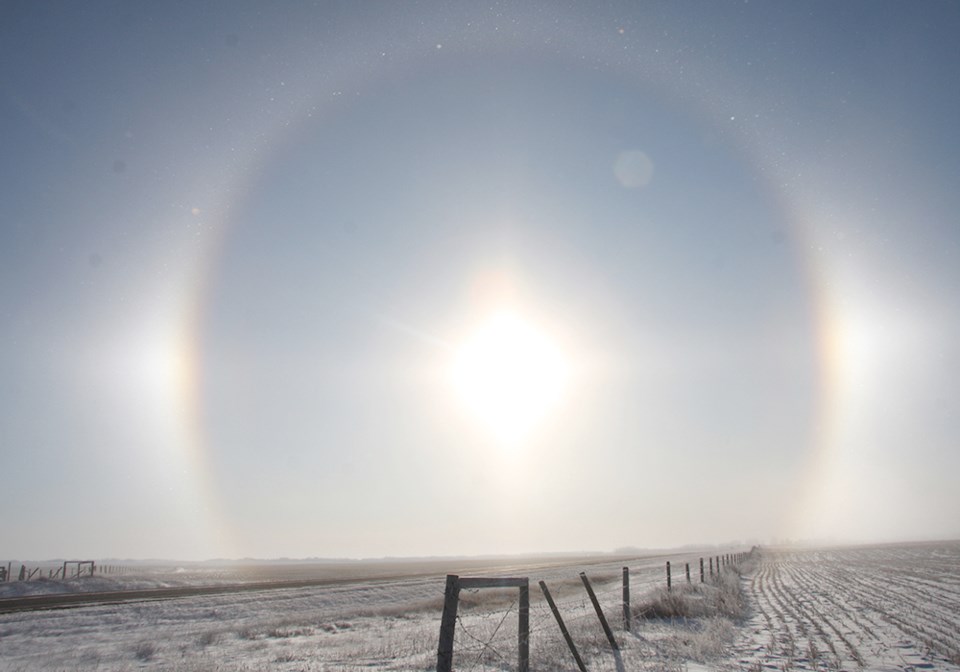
pixel 692 621
pixel 722 597
pixel 145 651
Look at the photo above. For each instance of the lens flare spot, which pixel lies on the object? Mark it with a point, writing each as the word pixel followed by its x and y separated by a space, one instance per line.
pixel 633 169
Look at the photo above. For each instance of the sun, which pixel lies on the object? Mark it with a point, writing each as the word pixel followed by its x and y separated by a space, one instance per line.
pixel 509 374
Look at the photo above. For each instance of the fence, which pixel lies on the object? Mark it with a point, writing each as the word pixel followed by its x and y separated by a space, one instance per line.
pixel 70 569
pixel 720 561
pixel 493 620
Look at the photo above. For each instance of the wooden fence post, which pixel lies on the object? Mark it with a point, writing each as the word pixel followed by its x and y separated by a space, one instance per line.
pixel 626 599
pixel 701 570
pixel 563 628
pixel 448 622
pixel 523 630
pixel 688 572
pixel 669 585
pixel 596 606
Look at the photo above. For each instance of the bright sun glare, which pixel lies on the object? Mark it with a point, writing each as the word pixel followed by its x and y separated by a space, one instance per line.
pixel 509 374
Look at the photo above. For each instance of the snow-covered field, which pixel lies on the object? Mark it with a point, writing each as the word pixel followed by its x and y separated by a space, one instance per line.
pixel 379 623
pixel 882 608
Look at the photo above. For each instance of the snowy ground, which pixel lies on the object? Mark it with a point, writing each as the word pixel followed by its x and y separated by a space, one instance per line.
pixel 884 608
pixel 880 608
pixel 380 623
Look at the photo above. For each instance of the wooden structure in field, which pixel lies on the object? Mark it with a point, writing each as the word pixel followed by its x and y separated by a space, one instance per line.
pixel 82 566
pixel 451 600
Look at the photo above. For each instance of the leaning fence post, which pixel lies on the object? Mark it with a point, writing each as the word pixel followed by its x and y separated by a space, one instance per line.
pixel 596 606
pixel 448 622
pixel 626 599
pixel 563 628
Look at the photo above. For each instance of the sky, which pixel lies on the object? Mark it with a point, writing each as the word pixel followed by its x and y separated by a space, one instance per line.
pixel 413 278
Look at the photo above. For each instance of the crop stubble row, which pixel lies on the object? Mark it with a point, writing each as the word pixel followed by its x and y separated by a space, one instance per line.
pixel 854 608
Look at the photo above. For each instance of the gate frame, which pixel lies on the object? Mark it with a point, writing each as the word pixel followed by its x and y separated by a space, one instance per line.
pixel 451 601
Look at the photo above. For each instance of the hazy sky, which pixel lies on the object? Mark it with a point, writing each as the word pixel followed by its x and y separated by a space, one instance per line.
pixel 242 247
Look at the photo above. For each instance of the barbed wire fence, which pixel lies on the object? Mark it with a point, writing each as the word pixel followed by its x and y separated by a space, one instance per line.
pixel 488 620
pixel 487 634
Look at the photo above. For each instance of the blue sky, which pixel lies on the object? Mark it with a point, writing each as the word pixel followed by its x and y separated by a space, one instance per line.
pixel 240 246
